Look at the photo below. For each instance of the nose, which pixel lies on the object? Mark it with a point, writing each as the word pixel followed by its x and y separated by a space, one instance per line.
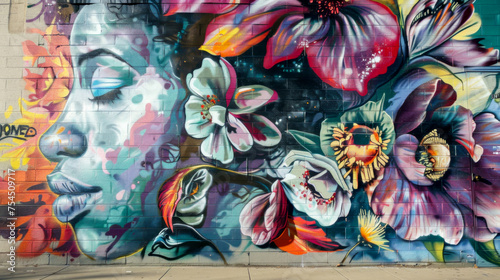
pixel 62 141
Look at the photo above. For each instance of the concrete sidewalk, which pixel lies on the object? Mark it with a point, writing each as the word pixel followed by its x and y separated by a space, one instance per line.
pixel 251 273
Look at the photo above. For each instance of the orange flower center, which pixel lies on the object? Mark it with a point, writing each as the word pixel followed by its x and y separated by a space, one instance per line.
pixel 360 146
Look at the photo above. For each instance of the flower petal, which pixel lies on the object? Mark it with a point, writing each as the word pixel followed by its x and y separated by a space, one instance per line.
pixel 234 33
pixel 487 189
pixel 265 216
pixel 415 211
pixel 210 79
pixel 238 134
pixel 170 7
pixel 443 20
pixel 404 155
pixel 217 146
pixel 250 98
pixel 416 107
pixel 465 53
pixel 458 122
pixel 365 42
pixel 263 131
pixel 293 36
pixel 196 126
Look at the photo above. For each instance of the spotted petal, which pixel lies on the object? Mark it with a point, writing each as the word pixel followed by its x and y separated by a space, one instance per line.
pixel 325 185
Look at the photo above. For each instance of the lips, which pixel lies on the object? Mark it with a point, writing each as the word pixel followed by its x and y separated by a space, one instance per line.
pixel 75 196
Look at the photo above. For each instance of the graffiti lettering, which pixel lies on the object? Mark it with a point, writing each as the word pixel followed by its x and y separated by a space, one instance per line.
pixel 20 132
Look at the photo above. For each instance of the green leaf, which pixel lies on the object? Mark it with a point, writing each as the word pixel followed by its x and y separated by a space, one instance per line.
pixel 309 141
pixel 436 248
pixel 486 250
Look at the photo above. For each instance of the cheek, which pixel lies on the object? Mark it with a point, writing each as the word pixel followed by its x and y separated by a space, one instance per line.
pixel 147 130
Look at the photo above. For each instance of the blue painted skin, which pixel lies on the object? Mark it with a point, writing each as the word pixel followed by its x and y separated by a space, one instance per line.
pixel 108 173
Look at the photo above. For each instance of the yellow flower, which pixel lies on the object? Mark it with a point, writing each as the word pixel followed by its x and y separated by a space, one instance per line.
pixel 371 229
pixel 371 233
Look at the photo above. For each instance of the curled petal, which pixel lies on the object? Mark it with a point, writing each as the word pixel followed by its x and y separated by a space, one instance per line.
pixel 461 125
pixel 250 98
pixel 265 216
pixel 364 44
pixel 418 105
pixel 210 79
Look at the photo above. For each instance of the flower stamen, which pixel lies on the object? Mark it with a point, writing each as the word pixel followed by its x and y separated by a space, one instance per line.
pixel 360 150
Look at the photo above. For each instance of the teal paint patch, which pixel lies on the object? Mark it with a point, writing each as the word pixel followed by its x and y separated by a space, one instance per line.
pixel 137 99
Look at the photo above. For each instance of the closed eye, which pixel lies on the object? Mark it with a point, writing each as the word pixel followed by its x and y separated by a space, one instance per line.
pixel 108 98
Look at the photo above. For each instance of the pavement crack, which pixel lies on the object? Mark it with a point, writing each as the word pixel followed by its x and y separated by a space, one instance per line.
pixel 55 272
pixel 338 271
pixel 165 273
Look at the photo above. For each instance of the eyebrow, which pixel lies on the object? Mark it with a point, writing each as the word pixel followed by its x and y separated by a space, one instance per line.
pixel 96 53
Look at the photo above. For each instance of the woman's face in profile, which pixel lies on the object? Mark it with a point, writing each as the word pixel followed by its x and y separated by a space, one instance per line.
pixel 117 140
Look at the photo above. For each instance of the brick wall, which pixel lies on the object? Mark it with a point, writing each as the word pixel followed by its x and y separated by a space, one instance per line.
pixel 252 133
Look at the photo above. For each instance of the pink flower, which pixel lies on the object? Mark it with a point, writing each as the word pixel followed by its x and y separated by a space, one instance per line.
pixel 265 216
pixel 348 43
pixel 224 114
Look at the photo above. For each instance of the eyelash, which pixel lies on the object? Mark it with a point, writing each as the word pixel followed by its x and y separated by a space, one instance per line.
pixel 109 98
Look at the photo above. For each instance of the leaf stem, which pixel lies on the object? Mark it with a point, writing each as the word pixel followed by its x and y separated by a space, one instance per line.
pixel 348 252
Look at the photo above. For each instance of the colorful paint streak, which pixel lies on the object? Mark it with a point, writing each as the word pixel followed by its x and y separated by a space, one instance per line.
pixel 224 131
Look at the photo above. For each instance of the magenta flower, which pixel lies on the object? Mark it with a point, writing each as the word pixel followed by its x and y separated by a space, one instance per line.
pixel 224 115
pixel 428 188
pixel 265 216
pixel 171 7
pixel 347 43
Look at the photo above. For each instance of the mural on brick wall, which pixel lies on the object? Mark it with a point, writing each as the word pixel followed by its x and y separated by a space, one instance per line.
pixel 214 130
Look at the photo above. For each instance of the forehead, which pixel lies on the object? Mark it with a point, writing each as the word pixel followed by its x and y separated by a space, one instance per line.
pixel 129 36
